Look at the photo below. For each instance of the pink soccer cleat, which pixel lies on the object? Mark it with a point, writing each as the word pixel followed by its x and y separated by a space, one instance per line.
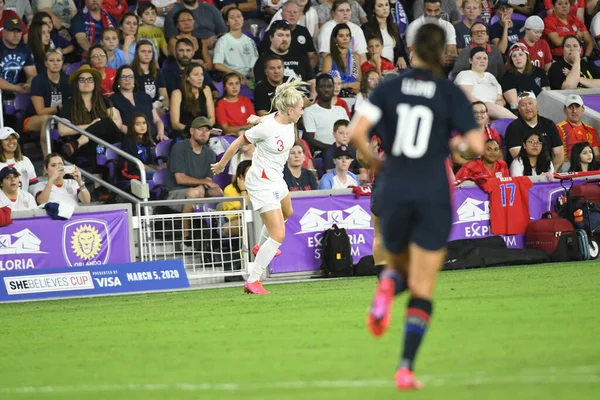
pixel 380 314
pixel 255 288
pixel 257 247
pixel 405 380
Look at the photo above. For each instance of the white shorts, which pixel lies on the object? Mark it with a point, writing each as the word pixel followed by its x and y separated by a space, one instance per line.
pixel 265 195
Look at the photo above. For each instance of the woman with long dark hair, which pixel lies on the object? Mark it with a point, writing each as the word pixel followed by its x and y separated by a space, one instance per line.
pixel 149 77
pixel 583 159
pixel 342 59
pixel 90 111
pixel 415 114
pixel 39 43
pixel 193 100
pixel 57 40
pixel 533 159
pixel 138 143
pixel 381 25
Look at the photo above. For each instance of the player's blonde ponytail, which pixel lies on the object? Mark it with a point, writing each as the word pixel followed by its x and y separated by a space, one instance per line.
pixel 287 95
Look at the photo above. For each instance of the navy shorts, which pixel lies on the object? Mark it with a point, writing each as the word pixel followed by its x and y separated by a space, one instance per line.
pixel 426 224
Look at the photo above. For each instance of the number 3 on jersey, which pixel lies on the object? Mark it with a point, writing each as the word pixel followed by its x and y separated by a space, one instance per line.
pixel 503 188
pixel 280 146
pixel 413 130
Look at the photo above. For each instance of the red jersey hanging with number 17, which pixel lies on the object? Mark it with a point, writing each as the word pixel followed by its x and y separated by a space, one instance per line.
pixel 509 203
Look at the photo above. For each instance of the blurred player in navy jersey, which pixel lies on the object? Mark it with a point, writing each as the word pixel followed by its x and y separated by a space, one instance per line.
pixel 414 115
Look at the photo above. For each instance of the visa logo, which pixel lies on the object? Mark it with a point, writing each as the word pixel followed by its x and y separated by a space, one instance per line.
pixel 108 281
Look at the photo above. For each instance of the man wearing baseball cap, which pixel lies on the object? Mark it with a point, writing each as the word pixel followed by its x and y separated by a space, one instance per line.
pixel 189 175
pixel 340 177
pixel 506 31
pixel 11 195
pixel 573 130
pixel 539 50
pixel 530 122
pixel 16 59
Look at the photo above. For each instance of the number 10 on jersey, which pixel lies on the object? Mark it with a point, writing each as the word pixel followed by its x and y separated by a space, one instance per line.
pixel 413 130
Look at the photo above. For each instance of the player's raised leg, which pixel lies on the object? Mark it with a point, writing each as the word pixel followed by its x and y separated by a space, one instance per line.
pixel 392 282
pixel 423 268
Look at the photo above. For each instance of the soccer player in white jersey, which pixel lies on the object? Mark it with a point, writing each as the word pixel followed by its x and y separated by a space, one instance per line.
pixel 273 138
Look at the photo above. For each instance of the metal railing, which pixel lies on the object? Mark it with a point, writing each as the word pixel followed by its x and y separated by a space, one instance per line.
pixel 107 145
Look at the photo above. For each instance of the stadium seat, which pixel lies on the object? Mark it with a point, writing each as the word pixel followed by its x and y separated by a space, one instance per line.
pixel 500 125
pixel 162 151
pixel 73 67
pixel 157 184
pixel 229 139
pixel 318 163
pixel 543 14
pixel 597 62
pixel 247 92
pixel 219 87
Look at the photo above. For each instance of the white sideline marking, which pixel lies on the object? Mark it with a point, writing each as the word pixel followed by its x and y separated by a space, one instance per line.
pixel 556 375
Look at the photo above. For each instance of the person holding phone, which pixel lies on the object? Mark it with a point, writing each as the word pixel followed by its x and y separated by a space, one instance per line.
pixel 60 190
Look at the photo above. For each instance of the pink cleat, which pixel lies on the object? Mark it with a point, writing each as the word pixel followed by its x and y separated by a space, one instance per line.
pixel 255 288
pixel 405 380
pixel 380 314
pixel 257 247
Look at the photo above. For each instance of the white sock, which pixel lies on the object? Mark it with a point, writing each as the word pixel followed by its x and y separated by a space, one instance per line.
pixel 264 235
pixel 263 258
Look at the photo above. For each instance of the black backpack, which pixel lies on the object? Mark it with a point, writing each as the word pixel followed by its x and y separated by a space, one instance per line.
pixel 336 253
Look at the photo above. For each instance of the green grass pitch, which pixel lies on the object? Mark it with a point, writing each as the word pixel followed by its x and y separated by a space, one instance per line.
pixel 503 333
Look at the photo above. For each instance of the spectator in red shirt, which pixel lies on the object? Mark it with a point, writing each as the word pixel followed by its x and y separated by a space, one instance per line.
pixel 539 50
pixel 375 61
pixel 573 130
pixel 97 58
pixel 576 8
pixel 490 165
pixel 560 24
pixel 482 118
pixel 116 8
pixel 480 112
pixel 233 110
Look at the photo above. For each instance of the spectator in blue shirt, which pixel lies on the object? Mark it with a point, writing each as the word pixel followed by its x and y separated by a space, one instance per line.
pixel 340 177
pixel 89 23
pixel 17 67
pixel 506 31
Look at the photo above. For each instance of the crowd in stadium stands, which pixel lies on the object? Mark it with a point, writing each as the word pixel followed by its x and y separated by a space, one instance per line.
pixel 182 72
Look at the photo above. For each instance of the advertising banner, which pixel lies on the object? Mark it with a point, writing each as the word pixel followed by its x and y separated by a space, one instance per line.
pixel 471 217
pixel 87 239
pixel 35 284
pixel 301 249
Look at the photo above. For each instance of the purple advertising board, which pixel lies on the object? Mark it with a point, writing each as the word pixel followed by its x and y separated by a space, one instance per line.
pixel 301 249
pixel 86 239
pixel 471 216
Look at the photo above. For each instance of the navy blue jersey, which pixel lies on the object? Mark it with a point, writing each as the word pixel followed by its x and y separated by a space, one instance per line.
pixel 416 113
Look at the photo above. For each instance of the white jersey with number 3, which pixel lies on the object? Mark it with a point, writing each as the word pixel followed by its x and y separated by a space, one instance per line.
pixel 273 142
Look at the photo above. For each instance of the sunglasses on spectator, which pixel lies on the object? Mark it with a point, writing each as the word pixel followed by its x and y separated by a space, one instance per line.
pixel 98 56
pixel 479 33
